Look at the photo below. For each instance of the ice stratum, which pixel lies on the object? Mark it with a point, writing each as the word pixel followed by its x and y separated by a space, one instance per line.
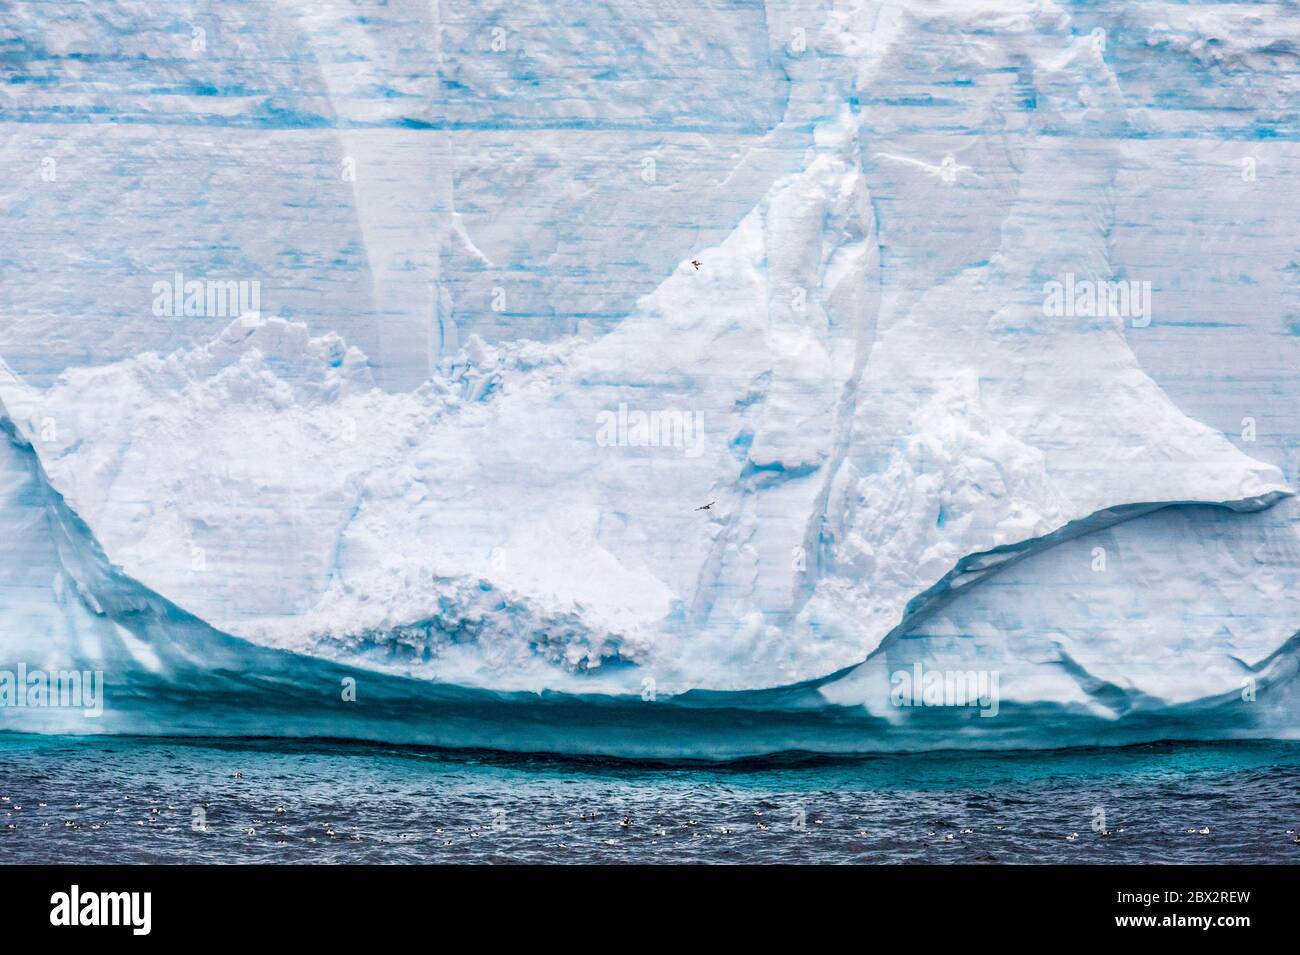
pixel 682 380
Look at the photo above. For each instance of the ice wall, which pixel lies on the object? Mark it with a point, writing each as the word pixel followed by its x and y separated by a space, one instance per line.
pixel 813 241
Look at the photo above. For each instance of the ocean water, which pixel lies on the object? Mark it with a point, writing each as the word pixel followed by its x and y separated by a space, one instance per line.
pixel 135 800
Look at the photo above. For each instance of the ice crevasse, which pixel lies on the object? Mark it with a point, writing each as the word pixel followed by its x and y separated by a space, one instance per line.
pixel 875 431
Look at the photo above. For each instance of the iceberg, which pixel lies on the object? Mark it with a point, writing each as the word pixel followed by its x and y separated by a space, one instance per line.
pixel 888 403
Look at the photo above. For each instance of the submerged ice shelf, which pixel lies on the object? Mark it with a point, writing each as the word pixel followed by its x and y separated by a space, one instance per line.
pixel 908 458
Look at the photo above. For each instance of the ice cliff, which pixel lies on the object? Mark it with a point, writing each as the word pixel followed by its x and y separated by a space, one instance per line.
pixel 537 286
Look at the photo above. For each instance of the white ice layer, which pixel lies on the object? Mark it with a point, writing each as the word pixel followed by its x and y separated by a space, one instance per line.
pixel 503 524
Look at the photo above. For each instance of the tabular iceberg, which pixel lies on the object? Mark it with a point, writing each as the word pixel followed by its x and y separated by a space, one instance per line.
pixel 875 376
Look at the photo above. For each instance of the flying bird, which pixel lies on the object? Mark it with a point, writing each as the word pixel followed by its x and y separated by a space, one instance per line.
pixel 696 263
pixel 948 170
pixel 706 506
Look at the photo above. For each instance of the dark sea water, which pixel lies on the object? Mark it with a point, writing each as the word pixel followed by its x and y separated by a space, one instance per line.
pixel 116 799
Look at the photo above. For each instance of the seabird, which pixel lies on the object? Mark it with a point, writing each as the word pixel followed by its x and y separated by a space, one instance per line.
pixel 706 506
pixel 948 170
